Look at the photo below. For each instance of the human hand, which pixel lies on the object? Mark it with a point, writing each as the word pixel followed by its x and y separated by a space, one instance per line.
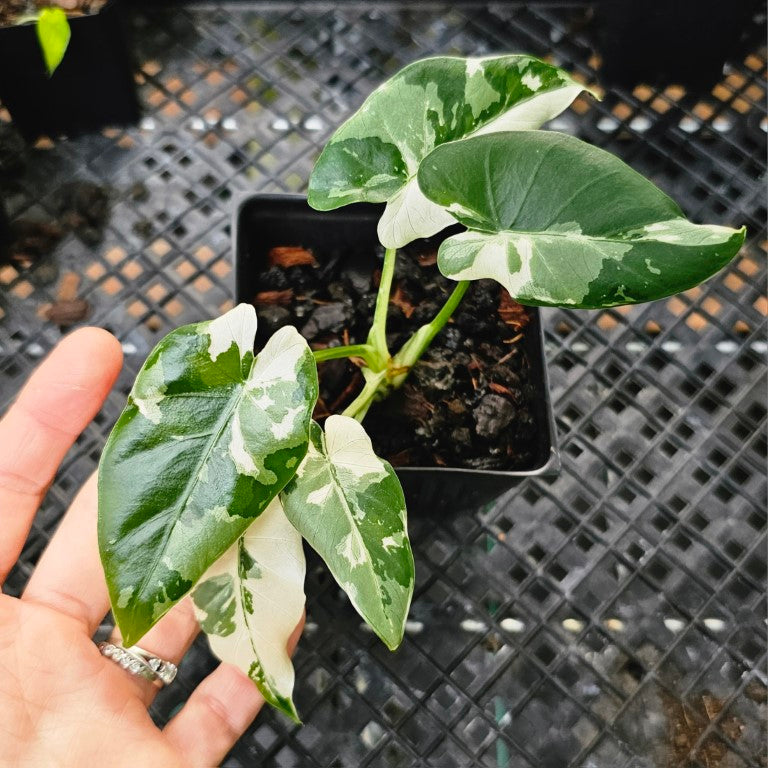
pixel 61 702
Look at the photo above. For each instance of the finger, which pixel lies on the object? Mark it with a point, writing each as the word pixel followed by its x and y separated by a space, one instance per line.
pixel 56 404
pixel 69 577
pixel 169 640
pixel 217 713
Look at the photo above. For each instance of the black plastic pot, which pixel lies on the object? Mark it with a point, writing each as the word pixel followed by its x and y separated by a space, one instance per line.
pixel 5 233
pixel 659 42
pixel 264 221
pixel 93 86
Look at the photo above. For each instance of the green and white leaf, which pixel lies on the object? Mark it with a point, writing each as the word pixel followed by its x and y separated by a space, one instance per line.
pixel 53 34
pixel 208 438
pixel 250 601
pixel 375 155
pixel 349 505
pixel 562 223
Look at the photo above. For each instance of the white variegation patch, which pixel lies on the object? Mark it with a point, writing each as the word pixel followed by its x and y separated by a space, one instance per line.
pixel 149 391
pixel 279 359
pixel 653 270
pixel 409 215
pixel 267 567
pixel 286 425
pixel 394 541
pixel 531 81
pixel 149 406
pixel 238 326
pixel 487 256
pixel 263 401
pixel 321 495
pixel 352 549
pixel 125 597
pixel 350 448
pixel 219 513
pixel 475 65
pixel 244 460
pixel 532 113
pixel 681 231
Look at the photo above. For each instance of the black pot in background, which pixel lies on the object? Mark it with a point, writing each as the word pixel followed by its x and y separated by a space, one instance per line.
pixel 5 233
pixel 658 42
pixel 92 88
pixel 264 221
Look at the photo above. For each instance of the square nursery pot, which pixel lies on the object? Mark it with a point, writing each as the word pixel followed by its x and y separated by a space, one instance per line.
pixel 93 87
pixel 262 222
pixel 659 42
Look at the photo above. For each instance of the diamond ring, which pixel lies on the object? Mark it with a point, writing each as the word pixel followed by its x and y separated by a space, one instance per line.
pixel 139 662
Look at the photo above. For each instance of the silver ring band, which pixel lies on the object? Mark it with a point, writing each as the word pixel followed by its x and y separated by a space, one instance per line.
pixel 139 662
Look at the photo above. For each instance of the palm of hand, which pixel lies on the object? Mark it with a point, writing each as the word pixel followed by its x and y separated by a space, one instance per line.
pixel 53 680
pixel 61 702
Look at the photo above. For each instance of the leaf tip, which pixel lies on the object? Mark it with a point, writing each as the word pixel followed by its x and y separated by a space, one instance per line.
pixel 293 714
pixel 393 645
pixel 129 623
pixel 596 92
pixel 390 636
pixel 128 634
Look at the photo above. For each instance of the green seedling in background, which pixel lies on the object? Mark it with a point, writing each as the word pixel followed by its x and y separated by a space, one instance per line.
pixel 53 34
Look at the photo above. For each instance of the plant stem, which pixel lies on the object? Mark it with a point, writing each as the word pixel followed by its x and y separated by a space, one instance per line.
pixel 384 372
pixel 377 336
pixel 351 350
pixel 417 345
pixel 368 394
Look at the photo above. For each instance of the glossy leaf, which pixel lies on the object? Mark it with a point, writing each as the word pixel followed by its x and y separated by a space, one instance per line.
pixel 208 438
pixel 250 601
pixel 53 34
pixel 349 506
pixel 559 222
pixel 375 155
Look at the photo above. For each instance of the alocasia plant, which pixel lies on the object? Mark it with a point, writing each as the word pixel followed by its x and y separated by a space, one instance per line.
pixel 215 470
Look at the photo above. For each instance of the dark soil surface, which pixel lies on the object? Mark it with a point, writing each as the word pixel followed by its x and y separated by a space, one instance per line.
pixel 468 403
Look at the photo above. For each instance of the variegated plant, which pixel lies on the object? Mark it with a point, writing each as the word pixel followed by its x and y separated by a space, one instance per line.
pixel 556 221
pixel 215 470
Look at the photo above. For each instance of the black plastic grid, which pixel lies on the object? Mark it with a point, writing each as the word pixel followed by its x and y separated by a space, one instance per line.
pixel 613 616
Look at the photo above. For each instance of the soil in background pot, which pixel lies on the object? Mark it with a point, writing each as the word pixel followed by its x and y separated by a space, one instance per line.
pixel 12 10
pixel 469 401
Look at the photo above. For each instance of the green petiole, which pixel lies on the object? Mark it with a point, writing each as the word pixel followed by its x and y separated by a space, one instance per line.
pixel 384 371
pixel 377 336
pixel 374 389
pixel 411 352
pixel 364 351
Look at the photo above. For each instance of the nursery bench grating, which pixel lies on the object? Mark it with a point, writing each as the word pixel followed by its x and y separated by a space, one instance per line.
pixel 611 617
